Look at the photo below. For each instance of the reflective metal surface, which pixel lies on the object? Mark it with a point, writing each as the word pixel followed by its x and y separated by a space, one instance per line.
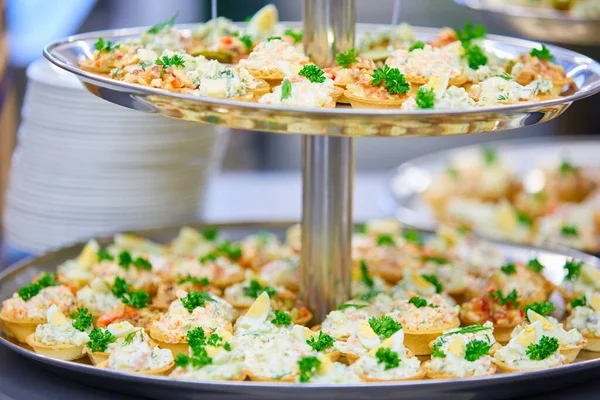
pixel 499 386
pixel 546 25
pixel 327 173
pixel 341 121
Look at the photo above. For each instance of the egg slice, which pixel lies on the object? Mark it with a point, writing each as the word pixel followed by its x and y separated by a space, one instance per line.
pixel 422 284
pixel 590 274
pixel 326 366
pixel 378 227
pixel 89 255
pixel 394 343
pixel 529 335
pixel 302 333
pixel 257 314
pixel 594 301
pixel 121 329
pixel 534 317
pixel 55 316
pixel 457 347
pixel 264 20
pixel 439 84
pixel 506 218
pixel 367 337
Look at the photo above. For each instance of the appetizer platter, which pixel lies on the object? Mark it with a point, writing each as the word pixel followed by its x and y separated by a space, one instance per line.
pixel 559 21
pixel 542 191
pixel 395 81
pixel 188 310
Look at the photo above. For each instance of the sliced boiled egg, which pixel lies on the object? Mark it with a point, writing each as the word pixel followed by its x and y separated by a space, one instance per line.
pixel 422 284
pixel 89 255
pixel 367 336
pixel 257 313
pixel 590 274
pixel 326 366
pixel 439 84
pixel 55 316
pixel 121 329
pixel 457 347
pixel 378 227
pixel 506 218
pixel 302 333
pixel 594 300
pixel 529 335
pixel 534 317
pixel 394 343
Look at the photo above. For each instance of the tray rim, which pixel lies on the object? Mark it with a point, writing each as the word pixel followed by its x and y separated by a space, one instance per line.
pixel 319 113
pixel 515 10
pixel 238 387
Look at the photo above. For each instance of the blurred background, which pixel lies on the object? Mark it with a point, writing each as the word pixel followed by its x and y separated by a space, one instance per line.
pixel 30 24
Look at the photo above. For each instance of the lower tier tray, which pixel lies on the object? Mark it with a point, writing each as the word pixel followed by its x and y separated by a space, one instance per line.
pixel 585 368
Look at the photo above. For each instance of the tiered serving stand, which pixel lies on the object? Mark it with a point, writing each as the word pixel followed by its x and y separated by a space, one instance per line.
pixel 327 170
pixel 539 23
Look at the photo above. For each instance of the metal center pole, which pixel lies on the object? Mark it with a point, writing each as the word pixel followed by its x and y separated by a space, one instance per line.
pixel 327 173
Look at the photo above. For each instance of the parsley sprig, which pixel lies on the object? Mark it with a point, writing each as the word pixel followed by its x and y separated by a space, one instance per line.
pixel 385 240
pixel 569 231
pixel 387 357
pixel 579 302
pixel 573 269
pixel 425 98
pixel 417 45
pixel 509 269
pixel 210 233
pixel 350 305
pixel 475 56
pixel 273 38
pixel 175 61
pixel 437 349
pixel 490 155
pixel 567 168
pixel 384 326
pixel 475 349
pixel 198 359
pixel 255 289
pixel 295 34
pixel 155 29
pixel 100 339
pixel 313 73
pixel 282 318
pixel 542 350
pixel 431 278
pixel 286 89
pixel 414 237
pixel 508 300
pixel 345 59
pixel 195 299
pixel 365 276
pixel 194 281
pixel 535 265
pixel 137 299
pixel 32 290
pixel 308 367
pixel 541 307
pixel 105 46
pixel 470 32
pixel 323 342
pixel 392 79
pixel 103 255
pixel 420 302
pixel 435 259
pixel 83 320
pixel 542 54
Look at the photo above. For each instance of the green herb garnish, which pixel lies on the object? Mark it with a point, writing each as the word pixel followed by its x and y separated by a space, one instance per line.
pixel 414 237
pixel 385 326
pixel 273 38
pixel 567 168
pixel 542 54
pixel 323 342
pixel 233 252
pixel 99 340
pixel 569 231
pixel 425 97
pixel 387 357
pixel 194 281
pixel 103 255
pixel 392 79
pixel 345 59
pixel 83 320
pixel 210 233
pixel 470 32
pixel 434 281
pixel 475 56
pixel 365 276
pixel 573 269
pixel 255 289
pixel 103 46
pixel 437 349
pixel 281 318
pixel 125 259
pixel 535 265
pixel 542 350
pixel 524 219
pixel 435 259
pixel 508 300
pixel 468 329
pixel 350 305
pixel 195 299
pixel 418 301
pixel 163 25
pixel 175 61
pixel 198 359
pixel 137 299
pixel 142 263
pixel 541 307
pixel 579 302
pixel 286 89
pixel 417 45
pixel 196 337
pixel 369 295
pixel 475 349
pixel 385 240
pixel 247 40
pixel 490 156
pixel 120 287
pixel 313 73
pixel 308 367
pixel 509 269
pixel 296 35
pixel 32 290
pixel 506 76
pixel 209 257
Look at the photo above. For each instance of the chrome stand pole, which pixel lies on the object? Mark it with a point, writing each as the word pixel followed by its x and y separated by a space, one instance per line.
pixel 327 173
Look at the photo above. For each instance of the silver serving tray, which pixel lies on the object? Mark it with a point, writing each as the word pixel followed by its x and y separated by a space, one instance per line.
pixel 499 386
pixel 407 182
pixel 341 121
pixel 538 23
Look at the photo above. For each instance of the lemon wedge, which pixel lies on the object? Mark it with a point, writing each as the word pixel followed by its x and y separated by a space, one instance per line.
pixel 89 255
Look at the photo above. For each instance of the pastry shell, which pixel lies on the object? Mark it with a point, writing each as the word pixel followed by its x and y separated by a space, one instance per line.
pixel 157 372
pixel 65 352
pixel 19 329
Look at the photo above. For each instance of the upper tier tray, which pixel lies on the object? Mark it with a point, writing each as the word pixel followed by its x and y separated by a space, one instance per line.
pixel 538 23
pixel 340 121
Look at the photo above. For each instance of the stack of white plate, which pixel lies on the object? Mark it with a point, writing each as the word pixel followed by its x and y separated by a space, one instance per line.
pixel 86 167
